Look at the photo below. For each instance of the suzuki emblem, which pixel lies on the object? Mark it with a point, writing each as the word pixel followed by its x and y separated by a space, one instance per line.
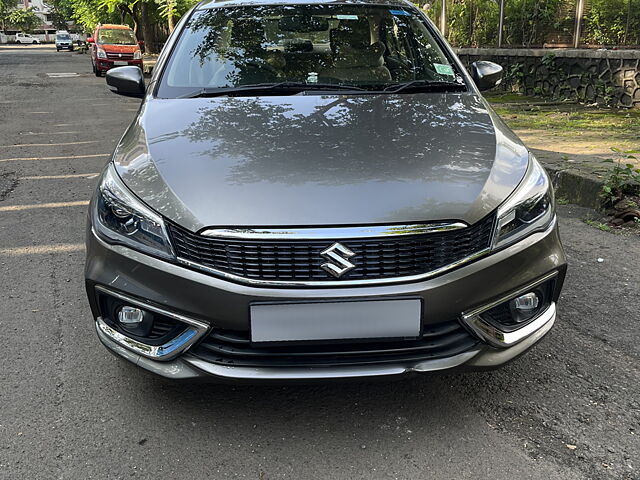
pixel 338 263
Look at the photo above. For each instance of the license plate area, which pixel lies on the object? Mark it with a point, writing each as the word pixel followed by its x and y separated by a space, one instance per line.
pixel 273 323
pixel 119 63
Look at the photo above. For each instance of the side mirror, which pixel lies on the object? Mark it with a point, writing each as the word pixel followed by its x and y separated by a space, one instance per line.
pixel 141 43
pixel 486 74
pixel 90 40
pixel 126 81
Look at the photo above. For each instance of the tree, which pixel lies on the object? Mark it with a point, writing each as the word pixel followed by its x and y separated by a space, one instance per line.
pixel 167 9
pixel 24 19
pixel 60 12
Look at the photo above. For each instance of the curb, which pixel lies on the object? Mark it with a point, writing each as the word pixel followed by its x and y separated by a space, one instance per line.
pixel 147 66
pixel 575 187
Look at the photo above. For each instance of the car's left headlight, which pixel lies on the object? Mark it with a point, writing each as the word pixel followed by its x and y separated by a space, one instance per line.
pixel 137 55
pixel 529 209
pixel 119 217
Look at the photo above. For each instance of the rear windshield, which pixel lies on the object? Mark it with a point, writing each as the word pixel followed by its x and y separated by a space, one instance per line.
pixel 116 36
pixel 356 45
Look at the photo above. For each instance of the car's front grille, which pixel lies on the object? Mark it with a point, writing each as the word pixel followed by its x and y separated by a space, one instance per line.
pixel 230 348
pixel 300 260
pixel 119 56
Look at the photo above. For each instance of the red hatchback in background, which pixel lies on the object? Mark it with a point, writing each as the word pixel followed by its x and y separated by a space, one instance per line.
pixel 114 46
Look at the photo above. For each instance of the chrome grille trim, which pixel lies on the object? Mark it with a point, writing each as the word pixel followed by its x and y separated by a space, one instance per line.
pixel 332 283
pixel 224 257
pixel 119 56
pixel 331 233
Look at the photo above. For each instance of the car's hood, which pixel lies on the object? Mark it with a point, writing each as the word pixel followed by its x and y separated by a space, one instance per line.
pixel 320 160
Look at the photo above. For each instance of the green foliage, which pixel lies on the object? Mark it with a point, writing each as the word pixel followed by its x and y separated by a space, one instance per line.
pixel 513 77
pixel 23 19
pixel 613 22
pixel 174 8
pixel 623 179
pixel 59 13
pixel 532 23
pixel 548 60
pixel 470 22
pixel 599 225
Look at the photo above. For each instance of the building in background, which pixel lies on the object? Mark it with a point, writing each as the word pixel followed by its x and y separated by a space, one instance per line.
pixel 46 31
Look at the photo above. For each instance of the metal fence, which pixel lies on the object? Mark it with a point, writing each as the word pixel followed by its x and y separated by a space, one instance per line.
pixel 538 23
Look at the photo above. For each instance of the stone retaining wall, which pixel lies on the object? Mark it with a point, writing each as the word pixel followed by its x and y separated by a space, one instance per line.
pixel 607 77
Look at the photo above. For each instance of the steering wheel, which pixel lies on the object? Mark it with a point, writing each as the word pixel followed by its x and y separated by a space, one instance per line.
pixel 263 65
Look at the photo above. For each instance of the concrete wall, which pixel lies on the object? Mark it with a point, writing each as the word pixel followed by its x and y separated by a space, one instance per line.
pixel 607 77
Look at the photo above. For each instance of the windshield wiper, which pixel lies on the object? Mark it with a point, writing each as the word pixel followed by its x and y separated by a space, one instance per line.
pixel 290 87
pixel 426 86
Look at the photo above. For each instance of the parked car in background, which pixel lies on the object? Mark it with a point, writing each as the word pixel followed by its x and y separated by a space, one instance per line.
pixel 26 38
pixel 113 46
pixel 63 41
pixel 318 190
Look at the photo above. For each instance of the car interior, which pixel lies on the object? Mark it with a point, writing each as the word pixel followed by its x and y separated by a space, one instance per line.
pixel 307 48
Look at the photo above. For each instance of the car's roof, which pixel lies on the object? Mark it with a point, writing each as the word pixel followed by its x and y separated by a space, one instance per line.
pixel 115 27
pixel 248 3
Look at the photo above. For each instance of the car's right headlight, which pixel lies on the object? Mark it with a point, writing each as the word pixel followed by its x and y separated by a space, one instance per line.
pixel 101 53
pixel 529 209
pixel 137 55
pixel 118 217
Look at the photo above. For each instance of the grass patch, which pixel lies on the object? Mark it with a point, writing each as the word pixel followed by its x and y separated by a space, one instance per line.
pixel 599 225
pixel 573 120
pixel 509 97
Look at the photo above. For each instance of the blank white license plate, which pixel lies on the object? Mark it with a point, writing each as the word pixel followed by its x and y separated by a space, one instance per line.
pixel 119 63
pixel 335 320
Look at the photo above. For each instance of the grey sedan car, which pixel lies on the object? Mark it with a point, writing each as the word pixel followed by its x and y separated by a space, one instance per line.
pixel 318 190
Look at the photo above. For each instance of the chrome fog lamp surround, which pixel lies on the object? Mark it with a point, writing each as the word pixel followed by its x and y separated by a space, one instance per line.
pixel 177 345
pixel 496 337
pixel 529 209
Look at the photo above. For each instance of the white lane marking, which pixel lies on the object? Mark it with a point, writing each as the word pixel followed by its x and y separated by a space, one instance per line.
pixel 44 133
pixel 55 177
pixel 40 249
pixel 49 144
pixel 69 157
pixel 16 208
pixel 41 113
pixel 63 75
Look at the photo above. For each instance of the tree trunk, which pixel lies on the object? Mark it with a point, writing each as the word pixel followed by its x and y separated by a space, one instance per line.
pixel 148 32
pixel 170 21
pixel 125 9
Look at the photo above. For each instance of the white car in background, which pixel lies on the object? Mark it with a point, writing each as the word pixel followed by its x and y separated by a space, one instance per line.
pixel 26 38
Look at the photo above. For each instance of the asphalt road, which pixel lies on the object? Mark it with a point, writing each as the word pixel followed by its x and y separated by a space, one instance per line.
pixel 570 409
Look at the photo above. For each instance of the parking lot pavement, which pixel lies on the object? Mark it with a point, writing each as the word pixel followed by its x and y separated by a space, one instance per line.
pixel 570 409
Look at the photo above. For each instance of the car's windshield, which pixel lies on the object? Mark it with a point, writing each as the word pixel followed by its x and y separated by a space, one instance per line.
pixel 371 47
pixel 116 36
pixel 63 36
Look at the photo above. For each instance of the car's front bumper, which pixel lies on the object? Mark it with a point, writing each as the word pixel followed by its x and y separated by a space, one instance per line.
pixel 104 65
pixel 207 301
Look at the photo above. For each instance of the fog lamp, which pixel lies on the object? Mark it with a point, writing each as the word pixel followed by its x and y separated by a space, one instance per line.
pixel 130 316
pixel 526 303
